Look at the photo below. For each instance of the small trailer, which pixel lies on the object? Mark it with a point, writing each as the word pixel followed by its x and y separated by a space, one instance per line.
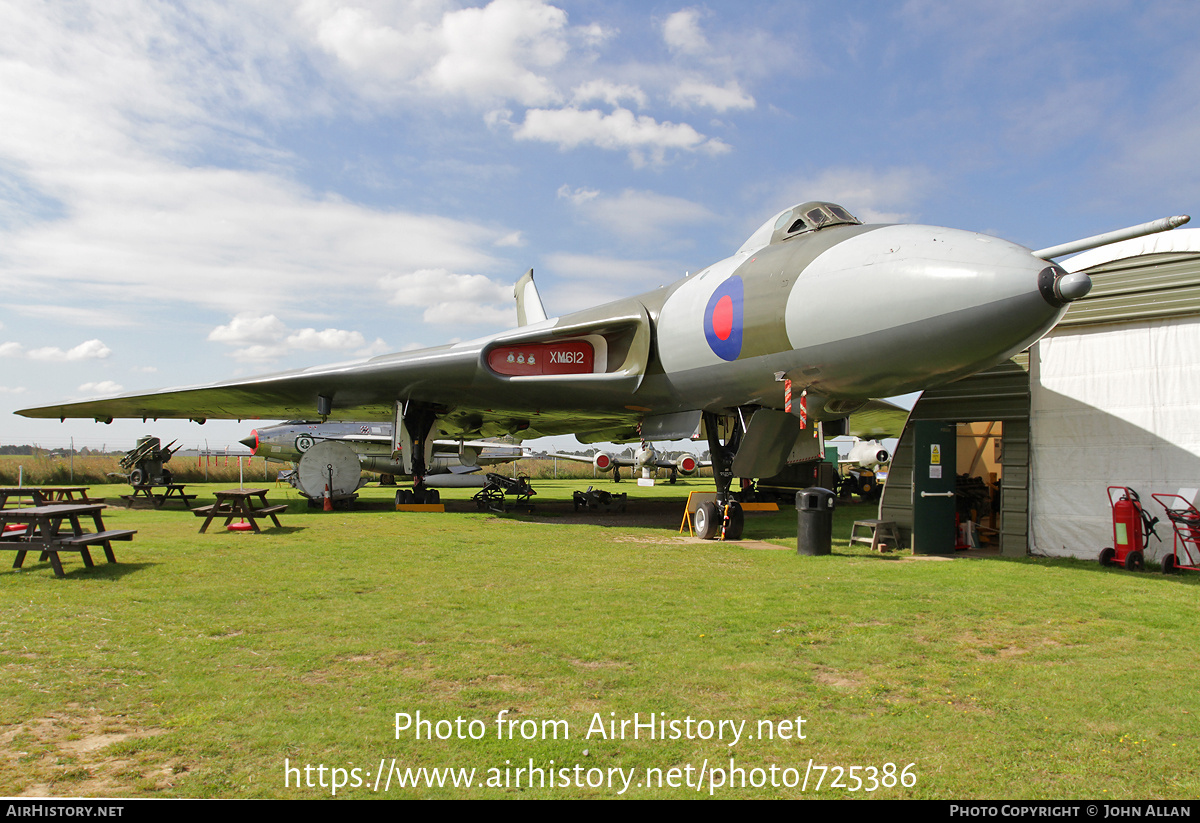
pixel 492 496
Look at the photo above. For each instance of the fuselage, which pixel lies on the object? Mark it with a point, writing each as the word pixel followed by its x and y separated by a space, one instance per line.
pixel 931 305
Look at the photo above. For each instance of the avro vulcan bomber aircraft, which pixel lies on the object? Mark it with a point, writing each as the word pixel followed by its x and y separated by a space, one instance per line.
pixel 744 346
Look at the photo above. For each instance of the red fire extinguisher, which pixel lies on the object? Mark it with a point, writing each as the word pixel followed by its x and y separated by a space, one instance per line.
pixel 1131 526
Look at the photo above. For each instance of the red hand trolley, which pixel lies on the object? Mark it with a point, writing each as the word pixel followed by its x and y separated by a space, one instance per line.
pixel 1185 553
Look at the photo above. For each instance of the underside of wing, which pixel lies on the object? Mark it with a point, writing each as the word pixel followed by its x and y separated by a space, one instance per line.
pixel 877 419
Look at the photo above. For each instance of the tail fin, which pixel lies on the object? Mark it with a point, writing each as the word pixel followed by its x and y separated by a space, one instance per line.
pixel 529 303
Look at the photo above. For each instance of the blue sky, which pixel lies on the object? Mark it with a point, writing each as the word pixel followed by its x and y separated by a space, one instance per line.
pixel 192 191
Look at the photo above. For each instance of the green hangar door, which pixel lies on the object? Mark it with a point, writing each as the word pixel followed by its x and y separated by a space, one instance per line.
pixel 934 449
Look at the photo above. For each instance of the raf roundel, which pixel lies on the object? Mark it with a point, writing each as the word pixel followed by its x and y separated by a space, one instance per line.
pixel 723 319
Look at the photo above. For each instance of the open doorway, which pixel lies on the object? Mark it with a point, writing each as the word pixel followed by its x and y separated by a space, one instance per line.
pixel 980 474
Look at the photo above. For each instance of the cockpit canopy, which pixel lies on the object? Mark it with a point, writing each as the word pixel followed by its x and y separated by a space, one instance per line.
pixel 806 217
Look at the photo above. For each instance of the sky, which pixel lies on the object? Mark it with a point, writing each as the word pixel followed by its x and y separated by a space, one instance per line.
pixel 196 191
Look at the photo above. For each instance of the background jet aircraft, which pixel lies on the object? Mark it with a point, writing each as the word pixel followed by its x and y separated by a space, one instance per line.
pixel 726 347
pixel 645 459
pixel 451 465
pixel 858 469
pixel 372 442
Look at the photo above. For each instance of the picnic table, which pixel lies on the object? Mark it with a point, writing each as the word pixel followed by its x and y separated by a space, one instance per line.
pixel 174 491
pixel 56 528
pixel 246 504
pixel 42 495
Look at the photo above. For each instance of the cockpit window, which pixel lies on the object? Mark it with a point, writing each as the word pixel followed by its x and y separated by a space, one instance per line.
pixel 816 215
pixel 796 221
pixel 842 214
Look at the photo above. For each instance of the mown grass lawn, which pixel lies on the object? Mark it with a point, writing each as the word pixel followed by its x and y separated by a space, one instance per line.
pixel 200 663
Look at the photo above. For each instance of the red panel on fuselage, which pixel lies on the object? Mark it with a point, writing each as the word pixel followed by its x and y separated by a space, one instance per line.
pixel 559 357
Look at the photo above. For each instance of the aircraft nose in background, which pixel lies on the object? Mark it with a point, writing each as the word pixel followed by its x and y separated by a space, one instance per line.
pixel 251 442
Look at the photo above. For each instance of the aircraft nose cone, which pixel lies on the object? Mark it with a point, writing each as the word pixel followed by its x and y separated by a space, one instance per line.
pixel 251 442
pixel 1059 288
pixel 1074 286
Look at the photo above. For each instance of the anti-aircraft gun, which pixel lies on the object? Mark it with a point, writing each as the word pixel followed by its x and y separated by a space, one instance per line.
pixel 144 465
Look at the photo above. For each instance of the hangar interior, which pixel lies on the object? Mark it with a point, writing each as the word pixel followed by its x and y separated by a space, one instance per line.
pixel 1111 397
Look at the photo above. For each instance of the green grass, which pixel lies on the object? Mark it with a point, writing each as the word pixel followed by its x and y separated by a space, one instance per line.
pixel 197 664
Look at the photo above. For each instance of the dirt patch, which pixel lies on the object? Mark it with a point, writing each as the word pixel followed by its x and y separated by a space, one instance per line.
pixel 831 677
pixel 69 754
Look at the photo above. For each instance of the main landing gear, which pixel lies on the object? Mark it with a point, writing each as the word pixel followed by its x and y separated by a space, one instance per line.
pixel 723 517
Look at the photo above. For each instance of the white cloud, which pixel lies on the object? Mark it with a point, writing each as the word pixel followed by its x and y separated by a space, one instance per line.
pixel 720 98
pixel 259 337
pixel 453 298
pixel 327 340
pixel 498 52
pixel 247 328
pixel 378 347
pixel 610 93
pixel 87 350
pixel 489 51
pixel 511 240
pixel 682 34
pixel 12 390
pixel 102 388
pixel 577 196
pixel 621 130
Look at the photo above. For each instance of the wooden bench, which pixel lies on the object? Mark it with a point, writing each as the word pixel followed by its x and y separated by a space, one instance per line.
pixel 81 542
pixel 52 529
pixel 881 531
pixel 174 491
pixel 240 504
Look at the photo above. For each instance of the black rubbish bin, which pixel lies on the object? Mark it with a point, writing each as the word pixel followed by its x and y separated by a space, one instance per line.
pixel 814 521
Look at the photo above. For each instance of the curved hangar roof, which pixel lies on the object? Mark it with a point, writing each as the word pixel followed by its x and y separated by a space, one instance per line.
pixel 1178 241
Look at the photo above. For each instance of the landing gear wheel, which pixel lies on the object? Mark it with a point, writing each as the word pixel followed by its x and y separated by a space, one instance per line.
pixel 707 521
pixel 616 475
pixel 1106 557
pixel 1168 564
pixel 737 522
pixel 1133 562
pixel 137 477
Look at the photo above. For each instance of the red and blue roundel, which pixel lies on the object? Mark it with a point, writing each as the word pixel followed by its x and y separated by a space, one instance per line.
pixel 723 319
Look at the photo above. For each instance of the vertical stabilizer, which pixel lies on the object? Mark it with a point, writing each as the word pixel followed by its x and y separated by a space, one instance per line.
pixel 529 303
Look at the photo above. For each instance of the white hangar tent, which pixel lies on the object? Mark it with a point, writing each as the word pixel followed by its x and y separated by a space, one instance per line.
pixel 1110 398
pixel 1115 394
